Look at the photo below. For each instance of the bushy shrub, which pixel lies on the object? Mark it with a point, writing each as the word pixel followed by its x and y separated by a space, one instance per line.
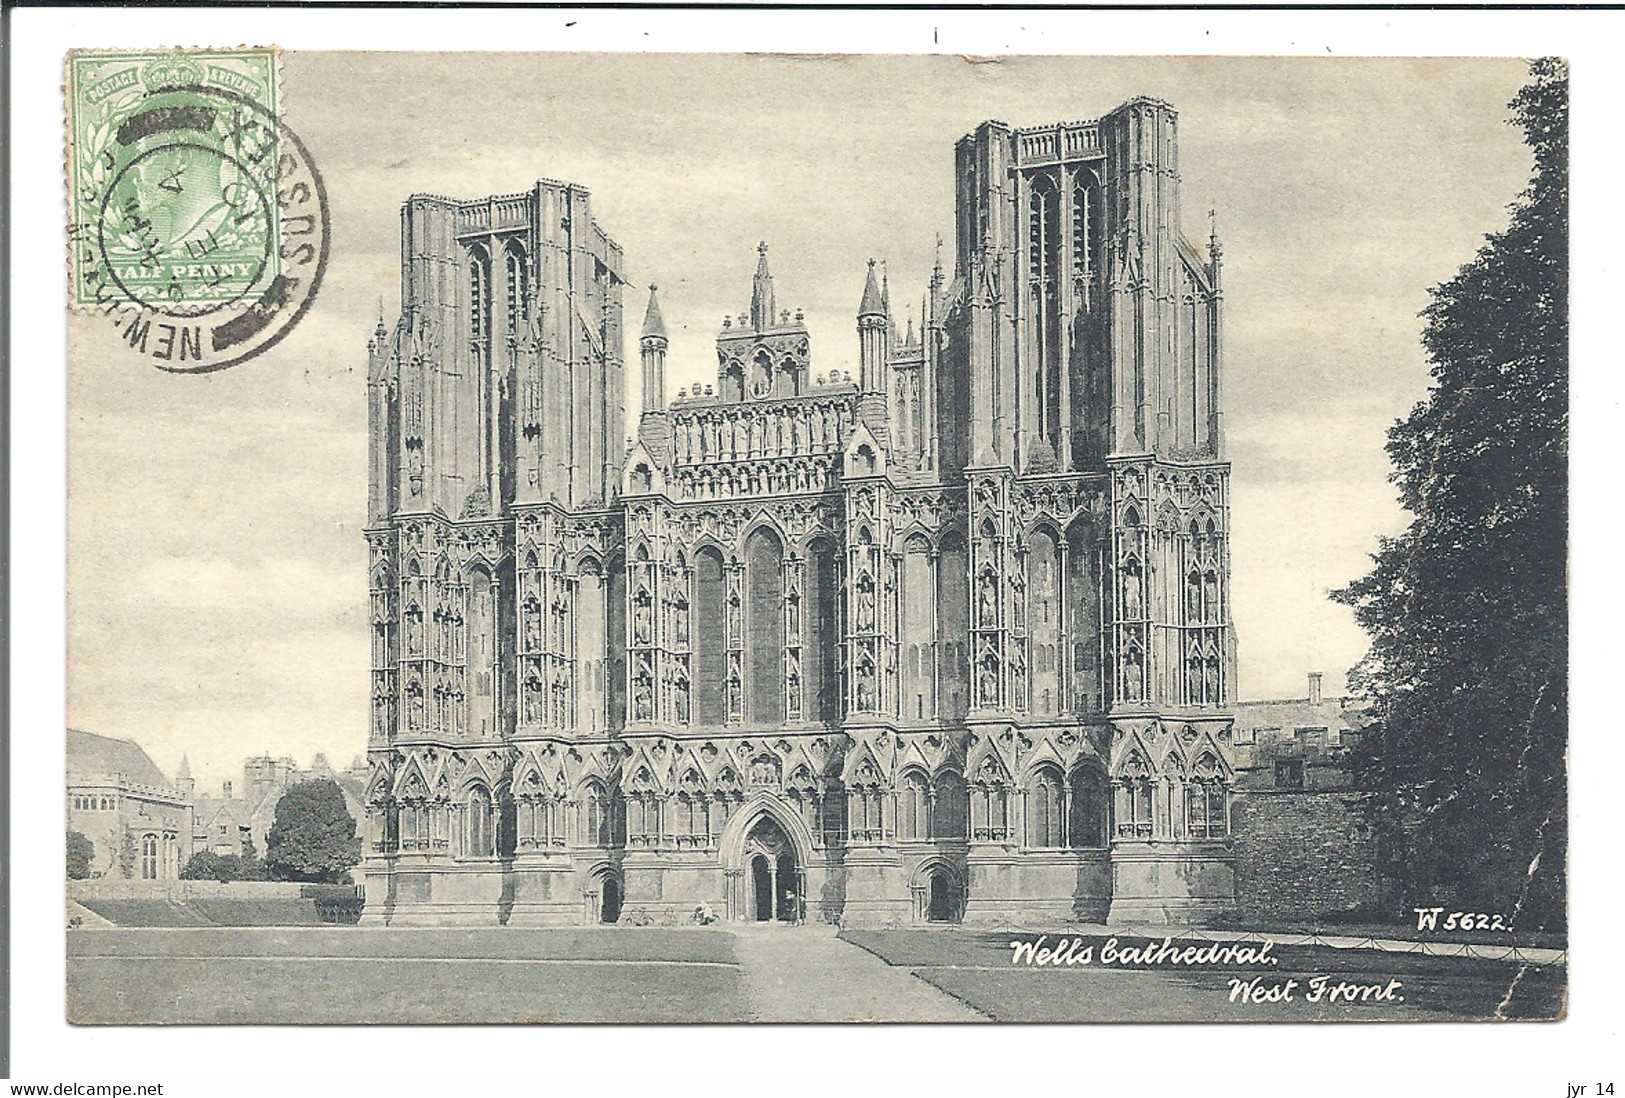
pixel 81 852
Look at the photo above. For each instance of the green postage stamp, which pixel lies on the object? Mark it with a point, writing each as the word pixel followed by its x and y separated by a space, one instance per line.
pixel 173 170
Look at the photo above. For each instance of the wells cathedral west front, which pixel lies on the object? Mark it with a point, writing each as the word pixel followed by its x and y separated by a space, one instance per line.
pixel 945 639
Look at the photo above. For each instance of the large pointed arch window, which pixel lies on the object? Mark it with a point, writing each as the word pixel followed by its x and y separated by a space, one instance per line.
pixel 710 654
pixel 518 283
pixel 821 655
pixel 1044 257
pixel 764 627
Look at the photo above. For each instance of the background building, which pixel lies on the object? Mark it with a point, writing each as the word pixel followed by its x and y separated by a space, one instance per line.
pixel 240 818
pixel 948 639
pixel 138 820
pixel 1303 852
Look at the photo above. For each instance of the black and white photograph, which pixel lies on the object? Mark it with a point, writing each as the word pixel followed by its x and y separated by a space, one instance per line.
pixel 635 537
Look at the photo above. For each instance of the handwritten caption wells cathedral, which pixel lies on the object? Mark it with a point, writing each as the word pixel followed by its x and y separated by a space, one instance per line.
pixel 1150 954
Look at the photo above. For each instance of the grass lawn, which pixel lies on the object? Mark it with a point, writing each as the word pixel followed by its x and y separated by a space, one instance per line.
pixel 403 976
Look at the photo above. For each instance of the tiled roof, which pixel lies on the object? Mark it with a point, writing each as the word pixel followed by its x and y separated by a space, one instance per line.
pixel 92 757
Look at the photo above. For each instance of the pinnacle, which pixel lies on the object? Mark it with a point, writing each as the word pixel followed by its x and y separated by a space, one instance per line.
pixel 873 303
pixel 654 326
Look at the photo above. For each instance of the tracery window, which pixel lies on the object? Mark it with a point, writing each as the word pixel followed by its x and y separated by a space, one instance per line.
pixel 951 816
pixel 1134 801
pixel 1045 234
pixel 919 628
pixel 710 655
pixel 821 654
pixel 1044 818
pixel 1206 807
pixel 914 808
pixel 764 627
pixel 480 836
pixel 953 625
pixel 518 287
pixel 1044 620
pixel 600 816
pixel 149 857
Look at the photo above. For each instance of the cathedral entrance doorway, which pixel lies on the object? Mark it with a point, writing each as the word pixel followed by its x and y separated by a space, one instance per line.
pixel 609 910
pixel 775 879
pixel 944 901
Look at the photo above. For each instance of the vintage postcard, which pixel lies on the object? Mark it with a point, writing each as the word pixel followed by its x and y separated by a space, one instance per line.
pixel 721 538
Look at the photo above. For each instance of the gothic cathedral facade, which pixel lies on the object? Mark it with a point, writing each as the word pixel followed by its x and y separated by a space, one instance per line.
pixel 947 640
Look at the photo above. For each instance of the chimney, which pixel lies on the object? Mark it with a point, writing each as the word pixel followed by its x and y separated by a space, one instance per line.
pixel 225 790
pixel 1314 688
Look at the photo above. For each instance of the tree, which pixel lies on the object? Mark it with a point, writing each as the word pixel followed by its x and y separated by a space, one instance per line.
pixel 251 867
pixel 81 852
pixel 206 865
pixel 1463 759
pixel 313 837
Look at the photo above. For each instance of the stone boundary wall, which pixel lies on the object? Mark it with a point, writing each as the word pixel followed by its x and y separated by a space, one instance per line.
pixel 1302 855
pixel 116 888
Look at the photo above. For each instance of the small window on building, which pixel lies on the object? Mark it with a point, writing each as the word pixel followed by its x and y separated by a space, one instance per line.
pixel 1289 773
pixel 1245 737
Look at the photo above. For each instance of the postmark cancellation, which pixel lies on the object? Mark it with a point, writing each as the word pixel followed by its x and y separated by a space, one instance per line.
pixel 191 205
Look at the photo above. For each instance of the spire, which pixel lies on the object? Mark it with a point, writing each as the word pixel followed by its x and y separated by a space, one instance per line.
pixel 873 304
pixel 654 327
pixel 908 340
pixel 762 308
pixel 184 774
pixel 380 334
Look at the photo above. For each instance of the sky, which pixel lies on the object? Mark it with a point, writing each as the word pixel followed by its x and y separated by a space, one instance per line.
pixel 216 571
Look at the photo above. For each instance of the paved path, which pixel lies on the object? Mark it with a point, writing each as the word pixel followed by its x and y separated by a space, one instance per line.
pixel 807 974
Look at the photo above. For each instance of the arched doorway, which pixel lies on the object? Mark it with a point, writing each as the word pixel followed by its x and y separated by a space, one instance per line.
pixel 944 899
pixel 609 908
pixel 775 879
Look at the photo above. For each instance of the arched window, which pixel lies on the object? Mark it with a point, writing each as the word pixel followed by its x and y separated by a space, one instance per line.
pixel 764 627
pixel 1134 800
pixel 710 654
pixel 822 652
pixel 479 296
pixel 761 375
pixel 591 650
pixel 482 661
pixel 1044 809
pixel 953 625
pixel 1045 232
pixel 1086 237
pixel 149 857
pixel 1086 818
pixel 1206 813
pixel 919 627
pixel 518 287
pixel 990 803
pixel 914 809
pixel 480 841
pixel 1044 621
pixel 600 817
